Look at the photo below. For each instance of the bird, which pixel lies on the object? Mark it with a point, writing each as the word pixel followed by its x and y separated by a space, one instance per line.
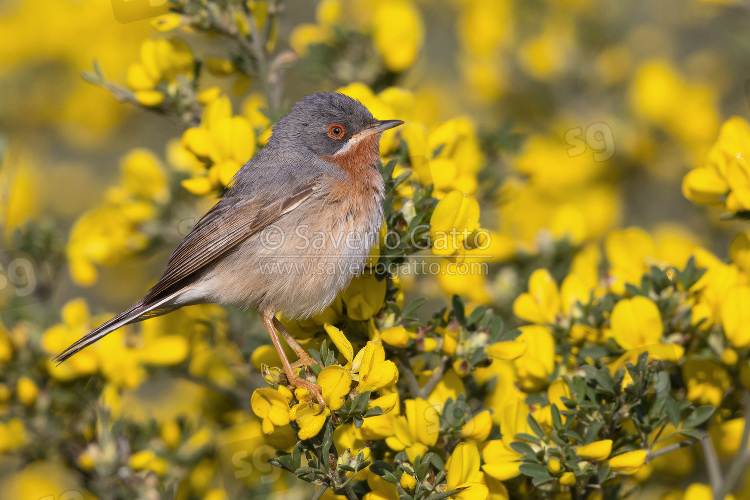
pixel 292 231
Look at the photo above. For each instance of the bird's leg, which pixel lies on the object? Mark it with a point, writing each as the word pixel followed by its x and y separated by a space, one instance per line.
pixel 304 359
pixel 294 379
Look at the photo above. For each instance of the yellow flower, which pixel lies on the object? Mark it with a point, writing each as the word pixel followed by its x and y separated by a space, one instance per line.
pixel 629 252
pixel 660 94
pixel 727 436
pixel 19 198
pixel 397 33
pixel 542 302
pixel 568 479
pixel 309 418
pixel 149 98
pixel 636 323
pixel 341 342
pixel 479 427
pixel 385 403
pixel 628 462
pixel 535 366
pixel 12 435
pixel 699 491
pixel 27 391
pixel 553 465
pixel 598 450
pixel 507 350
pixel 462 472
pixel 449 386
pixel 706 380
pixel 305 35
pixel 364 297
pixel 143 176
pixel 335 382
pixel 224 142
pixel 416 430
pixel 380 489
pixel 407 481
pixel 555 393
pixel 735 316
pixel 161 61
pixel 454 220
pixel 170 433
pixel 500 461
pixel 373 370
pixel 272 406
pixel 704 186
pixel 6 345
pixel 147 460
pixel 397 336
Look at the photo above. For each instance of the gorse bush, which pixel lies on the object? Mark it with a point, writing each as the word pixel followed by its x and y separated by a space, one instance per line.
pixel 506 340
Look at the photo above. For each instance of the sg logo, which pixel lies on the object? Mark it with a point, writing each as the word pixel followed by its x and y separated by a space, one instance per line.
pixel 127 11
pixel 597 136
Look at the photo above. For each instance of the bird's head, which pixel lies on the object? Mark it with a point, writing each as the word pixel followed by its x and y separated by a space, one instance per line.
pixel 332 126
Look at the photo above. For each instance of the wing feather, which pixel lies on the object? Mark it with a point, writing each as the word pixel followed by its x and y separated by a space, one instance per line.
pixel 224 227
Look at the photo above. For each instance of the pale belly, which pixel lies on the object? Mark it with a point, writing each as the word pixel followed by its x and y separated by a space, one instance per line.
pixel 297 266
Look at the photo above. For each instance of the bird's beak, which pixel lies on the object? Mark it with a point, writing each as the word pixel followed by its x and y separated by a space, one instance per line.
pixel 375 128
pixel 379 126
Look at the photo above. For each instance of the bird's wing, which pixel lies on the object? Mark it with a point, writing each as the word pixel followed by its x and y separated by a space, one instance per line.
pixel 224 227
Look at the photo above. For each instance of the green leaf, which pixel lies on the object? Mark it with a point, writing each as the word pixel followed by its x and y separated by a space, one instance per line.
pixel 605 381
pixel 422 470
pixel 285 461
pixel 373 412
pixel 592 431
pixel 541 479
pixel 458 308
pixel 556 420
pixel 476 315
pixel 409 310
pixel 401 178
pixel 536 428
pixel 496 327
pixel 699 415
pixel 573 435
pixel 326 445
pixel 444 495
pixel 528 437
pixel 384 470
pixel 673 411
pixel 693 433
pixel 436 461
pixel 297 455
pixel 533 470
pixel 524 449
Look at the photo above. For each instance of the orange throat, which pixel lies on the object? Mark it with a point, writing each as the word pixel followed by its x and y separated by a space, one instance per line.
pixel 360 160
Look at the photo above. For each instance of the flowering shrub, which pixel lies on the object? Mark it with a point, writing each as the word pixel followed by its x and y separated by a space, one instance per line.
pixel 509 338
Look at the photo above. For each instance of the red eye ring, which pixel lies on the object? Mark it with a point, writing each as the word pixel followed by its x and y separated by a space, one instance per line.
pixel 335 131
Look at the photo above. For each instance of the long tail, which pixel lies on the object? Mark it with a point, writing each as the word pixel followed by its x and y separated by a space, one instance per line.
pixel 138 312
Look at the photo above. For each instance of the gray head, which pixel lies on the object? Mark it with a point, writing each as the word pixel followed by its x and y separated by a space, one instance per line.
pixel 326 123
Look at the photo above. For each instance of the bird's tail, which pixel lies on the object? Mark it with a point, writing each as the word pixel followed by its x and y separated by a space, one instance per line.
pixel 138 312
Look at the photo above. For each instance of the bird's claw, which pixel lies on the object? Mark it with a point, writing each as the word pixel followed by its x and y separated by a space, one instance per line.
pixel 305 360
pixel 314 390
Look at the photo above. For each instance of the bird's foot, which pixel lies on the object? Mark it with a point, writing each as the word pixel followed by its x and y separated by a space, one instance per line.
pixel 315 391
pixel 304 360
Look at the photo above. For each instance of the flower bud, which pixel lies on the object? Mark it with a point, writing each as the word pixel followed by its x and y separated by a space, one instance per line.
pixel 598 450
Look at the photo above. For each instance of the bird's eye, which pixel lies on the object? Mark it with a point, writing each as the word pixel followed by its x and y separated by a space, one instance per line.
pixel 335 131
